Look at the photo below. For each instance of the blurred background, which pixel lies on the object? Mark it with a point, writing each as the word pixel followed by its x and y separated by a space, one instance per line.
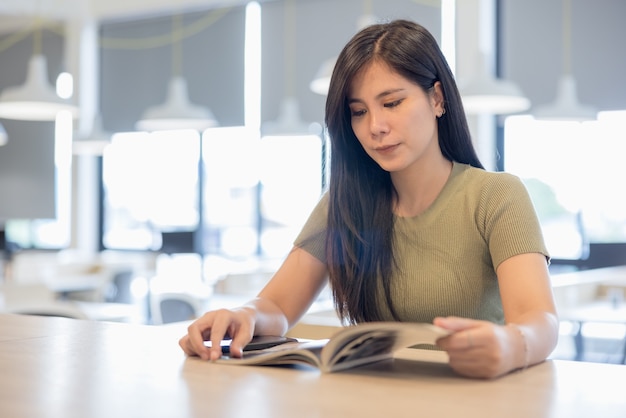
pixel 154 149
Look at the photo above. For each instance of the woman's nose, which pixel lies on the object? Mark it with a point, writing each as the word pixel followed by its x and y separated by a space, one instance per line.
pixel 378 123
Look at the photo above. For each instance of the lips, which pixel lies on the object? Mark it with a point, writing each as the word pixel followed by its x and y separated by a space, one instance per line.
pixel 386 149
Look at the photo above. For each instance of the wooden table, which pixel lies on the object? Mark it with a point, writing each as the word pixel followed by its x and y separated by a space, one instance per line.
pixel 57 367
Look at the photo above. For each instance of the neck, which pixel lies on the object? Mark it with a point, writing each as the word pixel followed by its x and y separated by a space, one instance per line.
pixel 418 188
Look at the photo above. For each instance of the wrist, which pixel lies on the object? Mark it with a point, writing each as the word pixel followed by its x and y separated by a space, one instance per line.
pixel 267 317
pixel 522 358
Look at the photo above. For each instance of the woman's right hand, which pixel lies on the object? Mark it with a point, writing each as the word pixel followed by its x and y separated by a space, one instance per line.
pixel 237 324
pixel 279 305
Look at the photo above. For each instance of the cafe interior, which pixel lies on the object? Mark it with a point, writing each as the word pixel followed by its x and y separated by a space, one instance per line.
pixel 158 157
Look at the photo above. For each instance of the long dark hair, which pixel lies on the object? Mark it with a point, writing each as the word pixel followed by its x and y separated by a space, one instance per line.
pixel 360 216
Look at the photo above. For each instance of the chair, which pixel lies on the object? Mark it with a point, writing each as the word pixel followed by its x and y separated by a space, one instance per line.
pixel 120 288
pixel 174 307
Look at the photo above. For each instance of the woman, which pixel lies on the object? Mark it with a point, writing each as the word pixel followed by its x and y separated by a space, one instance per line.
pixel 411 228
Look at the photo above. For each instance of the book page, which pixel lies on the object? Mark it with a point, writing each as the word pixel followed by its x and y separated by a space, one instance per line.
pixel 375 341
pixel 350 347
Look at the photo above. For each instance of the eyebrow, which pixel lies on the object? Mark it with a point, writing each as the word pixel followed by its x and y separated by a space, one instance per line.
pixel 378 96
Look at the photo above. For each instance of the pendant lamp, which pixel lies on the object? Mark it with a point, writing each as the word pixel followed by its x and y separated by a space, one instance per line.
pixel 35 100
pixel 566 106
pixel 482 91
pixel 321 82
pixel 289 121
pixel 486 94
pixel 177 112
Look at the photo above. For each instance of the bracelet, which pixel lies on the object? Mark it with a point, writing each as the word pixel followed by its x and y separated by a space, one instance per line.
pixel 525 343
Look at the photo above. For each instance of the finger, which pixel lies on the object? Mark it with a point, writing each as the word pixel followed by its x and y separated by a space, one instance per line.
pixel 455 323
pixel 470 339
pixel 461 340
pixel 241 337
pixel 196 334
pixel 183 343
pixel 222 326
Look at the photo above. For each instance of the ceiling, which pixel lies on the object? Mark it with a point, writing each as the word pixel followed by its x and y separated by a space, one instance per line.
pixel 16 14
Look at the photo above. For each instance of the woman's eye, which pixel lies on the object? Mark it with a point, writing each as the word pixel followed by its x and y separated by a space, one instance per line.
pixel 394 103
pixel 357 113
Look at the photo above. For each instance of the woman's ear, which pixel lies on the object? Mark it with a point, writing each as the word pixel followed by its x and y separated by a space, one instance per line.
pixel 437 99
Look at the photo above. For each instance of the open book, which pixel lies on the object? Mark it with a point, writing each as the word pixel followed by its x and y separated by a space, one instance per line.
pixel 350 347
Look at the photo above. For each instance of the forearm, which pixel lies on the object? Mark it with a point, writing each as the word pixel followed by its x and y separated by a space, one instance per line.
pixel 533 337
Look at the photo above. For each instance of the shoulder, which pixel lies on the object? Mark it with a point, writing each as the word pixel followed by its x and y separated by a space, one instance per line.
pixel 488 182
pixel 322 204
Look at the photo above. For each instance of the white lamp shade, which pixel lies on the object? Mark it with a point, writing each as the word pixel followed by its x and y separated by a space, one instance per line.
pixel 493 96
pixel 566 106
pixel 35 100
pixel 288 121
pixel 177 112
pixel 485 94
pixel 321 82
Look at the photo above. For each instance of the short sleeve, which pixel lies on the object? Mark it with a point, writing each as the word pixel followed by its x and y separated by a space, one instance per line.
pixel 312 237
pixel 511 224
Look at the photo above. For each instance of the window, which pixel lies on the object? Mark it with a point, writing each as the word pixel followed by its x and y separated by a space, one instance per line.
pixel 230 193
pixel 257 193
pixel 150 186
pixel 574 176
pixel 291 185
pixel 240 195
pixel 37 231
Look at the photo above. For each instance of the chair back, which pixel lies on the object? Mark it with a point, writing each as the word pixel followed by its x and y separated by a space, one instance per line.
pixel 174 307
pixel 120 288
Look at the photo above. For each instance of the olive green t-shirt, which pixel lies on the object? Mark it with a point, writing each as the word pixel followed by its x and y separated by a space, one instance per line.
pixel 447 256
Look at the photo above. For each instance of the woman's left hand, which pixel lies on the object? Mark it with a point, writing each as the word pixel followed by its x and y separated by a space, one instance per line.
pixel 476 348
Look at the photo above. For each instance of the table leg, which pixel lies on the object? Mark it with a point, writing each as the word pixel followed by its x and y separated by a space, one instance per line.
pixel 579 344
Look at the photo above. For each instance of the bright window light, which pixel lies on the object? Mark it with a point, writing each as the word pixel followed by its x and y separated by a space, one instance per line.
pixel 448 32
pixel 151 184
pixel 572 171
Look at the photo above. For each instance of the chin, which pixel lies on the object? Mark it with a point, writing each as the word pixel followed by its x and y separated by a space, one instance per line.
pixel 392 168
